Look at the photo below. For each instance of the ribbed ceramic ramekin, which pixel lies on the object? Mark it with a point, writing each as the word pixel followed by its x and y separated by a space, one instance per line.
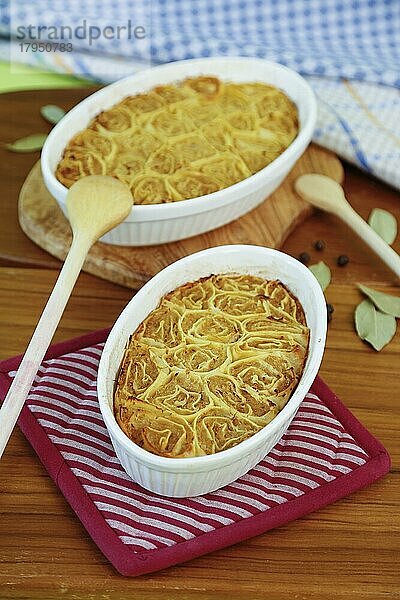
pixel 183 477
pixel 159 223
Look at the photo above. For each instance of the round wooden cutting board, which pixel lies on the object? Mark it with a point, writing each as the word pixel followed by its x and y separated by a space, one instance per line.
pixel 267 225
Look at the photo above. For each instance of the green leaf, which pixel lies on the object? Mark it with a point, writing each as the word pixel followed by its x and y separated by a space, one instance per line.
pixel 322 273
pixel 365 318
pixel 31 143
pixel 384 223
pixel 373 326
pixel 384 302
pixel 52 113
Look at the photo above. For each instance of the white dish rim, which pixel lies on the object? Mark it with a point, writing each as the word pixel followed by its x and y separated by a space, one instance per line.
pixel 231 455
pixel 150 212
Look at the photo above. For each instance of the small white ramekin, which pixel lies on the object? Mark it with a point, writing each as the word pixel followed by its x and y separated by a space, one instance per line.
pixel 159 223
pixel 183 477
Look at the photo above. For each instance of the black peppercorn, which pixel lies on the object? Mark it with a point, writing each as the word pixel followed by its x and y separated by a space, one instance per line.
pixel 329 311
pixel 319 245
pixel 342 260
pixel 304 257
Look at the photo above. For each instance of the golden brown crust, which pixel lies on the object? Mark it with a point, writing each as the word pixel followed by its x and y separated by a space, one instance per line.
pixel 185 140
pixel 211 365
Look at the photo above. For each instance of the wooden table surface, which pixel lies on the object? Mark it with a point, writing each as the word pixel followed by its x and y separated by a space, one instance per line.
pixel 347 550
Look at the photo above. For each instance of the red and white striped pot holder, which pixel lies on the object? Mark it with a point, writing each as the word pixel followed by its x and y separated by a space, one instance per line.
pixel 325 454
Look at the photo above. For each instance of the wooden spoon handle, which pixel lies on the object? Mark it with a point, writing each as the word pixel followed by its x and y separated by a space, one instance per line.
pixel 370 237
pixel 41 339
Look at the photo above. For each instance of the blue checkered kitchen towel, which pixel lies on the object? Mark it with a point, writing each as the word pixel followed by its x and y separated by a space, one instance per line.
pixel 349 50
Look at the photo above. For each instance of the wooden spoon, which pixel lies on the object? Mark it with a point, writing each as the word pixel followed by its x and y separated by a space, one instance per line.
pixel 95 204
pixel 325 193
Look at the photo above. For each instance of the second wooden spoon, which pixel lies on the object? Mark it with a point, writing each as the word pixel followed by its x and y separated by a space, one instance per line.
pixel 325 193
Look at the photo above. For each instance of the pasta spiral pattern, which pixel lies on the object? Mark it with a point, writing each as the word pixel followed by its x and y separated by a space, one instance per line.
pixel 211 365
pixel 186 140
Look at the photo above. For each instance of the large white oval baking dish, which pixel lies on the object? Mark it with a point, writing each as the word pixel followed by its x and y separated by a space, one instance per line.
pixel 183 477
pixel 159 223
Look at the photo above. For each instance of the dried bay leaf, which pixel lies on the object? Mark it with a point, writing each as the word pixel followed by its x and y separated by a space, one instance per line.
pixel 373 326
pixel 384 302
pixel 52 113
pixel 31 143
pixel 322 273
pixel 384 224
pixel 364 318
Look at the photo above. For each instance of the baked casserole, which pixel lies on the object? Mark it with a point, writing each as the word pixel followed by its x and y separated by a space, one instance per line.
pixel 210 366
pixel 184 140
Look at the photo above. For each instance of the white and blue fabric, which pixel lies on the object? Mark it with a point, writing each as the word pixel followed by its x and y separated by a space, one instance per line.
pixel 349 50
